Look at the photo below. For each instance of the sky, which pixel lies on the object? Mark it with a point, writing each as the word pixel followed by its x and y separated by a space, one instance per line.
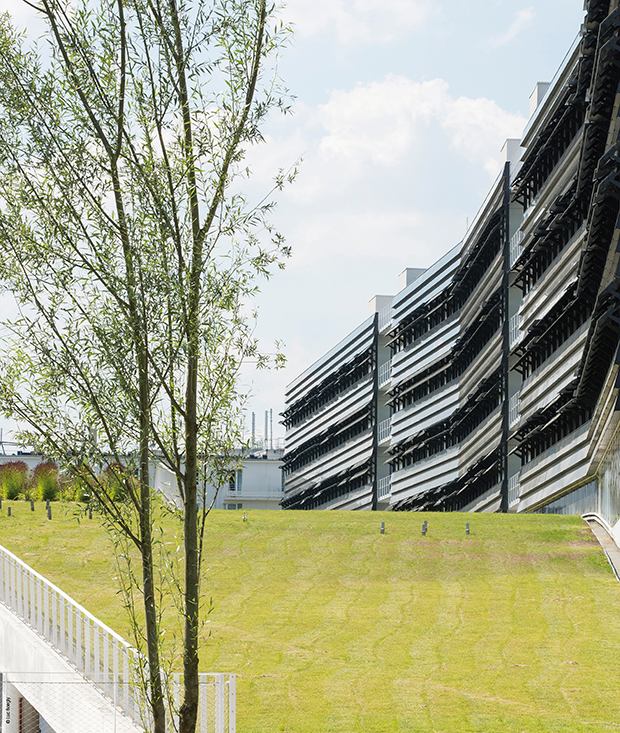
pixel 401 109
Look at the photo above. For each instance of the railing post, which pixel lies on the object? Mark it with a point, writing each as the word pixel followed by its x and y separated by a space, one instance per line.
pixel 106 664
pixel 232 703
pixel 96 642
pixel 32 618
pixel 2 582
pixel 63 608
pixel 115 666
pixel 55 618
pixel 219 703
pixel 203 702
pixel 125 678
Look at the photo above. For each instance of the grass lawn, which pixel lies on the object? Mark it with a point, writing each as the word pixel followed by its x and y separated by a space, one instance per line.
pixel 333 627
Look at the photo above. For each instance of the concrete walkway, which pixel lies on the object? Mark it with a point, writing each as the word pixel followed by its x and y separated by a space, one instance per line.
pixel 607 543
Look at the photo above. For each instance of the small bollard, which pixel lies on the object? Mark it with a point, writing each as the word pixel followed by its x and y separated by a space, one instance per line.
pixel 8 512
pixel 49 512
pixel 31 505
pixel 245 517
pixel 424 526
pixel 467 528
pixel 382 527
pixel 90 513
pixel 0 503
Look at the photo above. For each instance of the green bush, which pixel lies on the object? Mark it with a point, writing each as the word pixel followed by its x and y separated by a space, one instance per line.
pixel 46 480
pixel 113 479
pixel 13 479
pixel 73 488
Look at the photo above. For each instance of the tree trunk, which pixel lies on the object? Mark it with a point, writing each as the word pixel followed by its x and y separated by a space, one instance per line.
pixel 189 708
pixel 158 708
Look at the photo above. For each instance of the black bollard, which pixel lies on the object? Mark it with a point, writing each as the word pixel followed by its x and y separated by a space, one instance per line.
pixel 31 505
pixel 8 512
pixel 467 528
pixel 90 513
pixel 49 512
pixel 382 527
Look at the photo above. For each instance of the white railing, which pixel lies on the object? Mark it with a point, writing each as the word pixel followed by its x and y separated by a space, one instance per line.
pixel 513 410
pixel 385 317
pixel 385 373
pixel 514 330
pixel 515 246
pixel 384 430
pixel 513 490
pixel 99 654
pixel 384 487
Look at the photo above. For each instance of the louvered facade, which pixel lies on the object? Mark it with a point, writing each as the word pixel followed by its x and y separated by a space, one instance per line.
pixel 488 383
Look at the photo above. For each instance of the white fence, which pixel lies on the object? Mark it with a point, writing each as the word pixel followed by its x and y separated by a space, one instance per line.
pixel 385 373
pixel 384 430
pixel 513 410
pixel 99 654
pixel 514 330
pixel 513 490
pixel 515 246
pixel 385 317
pixel 384 487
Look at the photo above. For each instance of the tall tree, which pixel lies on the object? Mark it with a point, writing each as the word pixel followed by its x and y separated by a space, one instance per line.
pixel 131 251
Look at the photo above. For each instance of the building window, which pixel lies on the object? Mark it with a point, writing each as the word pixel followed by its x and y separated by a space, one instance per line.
pixel 233 506
pixel 234 481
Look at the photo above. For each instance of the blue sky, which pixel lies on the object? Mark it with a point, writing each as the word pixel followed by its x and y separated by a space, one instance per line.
pixel 401 110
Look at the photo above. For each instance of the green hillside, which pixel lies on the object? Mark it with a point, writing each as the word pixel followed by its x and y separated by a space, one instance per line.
pixel 332 626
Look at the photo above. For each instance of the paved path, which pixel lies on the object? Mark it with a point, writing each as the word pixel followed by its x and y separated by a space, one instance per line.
pixel 608 545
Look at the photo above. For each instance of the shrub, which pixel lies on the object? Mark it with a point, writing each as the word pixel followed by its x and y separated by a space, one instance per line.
pixel 46 480
pixel 73 488
pixel 113 479
pixel 13 479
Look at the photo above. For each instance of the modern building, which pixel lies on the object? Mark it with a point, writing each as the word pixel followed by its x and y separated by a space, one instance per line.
pixel 488 382
pixel 254 483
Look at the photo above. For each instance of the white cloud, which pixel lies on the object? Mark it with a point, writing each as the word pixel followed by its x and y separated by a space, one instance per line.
pixel 356 21
pixel 523 19
pixel 382 162
pixel 381 122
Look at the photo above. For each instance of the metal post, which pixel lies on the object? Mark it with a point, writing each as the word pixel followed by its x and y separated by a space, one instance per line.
pixel 219 703
pixel 232 703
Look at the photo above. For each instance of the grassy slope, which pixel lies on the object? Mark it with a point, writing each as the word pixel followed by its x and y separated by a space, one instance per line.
pixel 334 627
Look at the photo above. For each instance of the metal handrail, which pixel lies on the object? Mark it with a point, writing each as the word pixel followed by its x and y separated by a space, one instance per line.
pixel 513 410
pixel 385 373
pixel 513 490
pixel 514 330
pixel 384 487
pixel 93 649
pixel 384 430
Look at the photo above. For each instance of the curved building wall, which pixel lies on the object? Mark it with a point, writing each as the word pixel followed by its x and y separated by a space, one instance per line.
pixel 492 377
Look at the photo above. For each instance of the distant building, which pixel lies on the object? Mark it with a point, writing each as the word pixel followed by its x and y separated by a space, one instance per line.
pixel 489 381
pixel 255 484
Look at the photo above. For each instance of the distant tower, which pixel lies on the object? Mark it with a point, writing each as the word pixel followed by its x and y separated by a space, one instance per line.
pixel 253 429
pixel 266 442
pixel 270 429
